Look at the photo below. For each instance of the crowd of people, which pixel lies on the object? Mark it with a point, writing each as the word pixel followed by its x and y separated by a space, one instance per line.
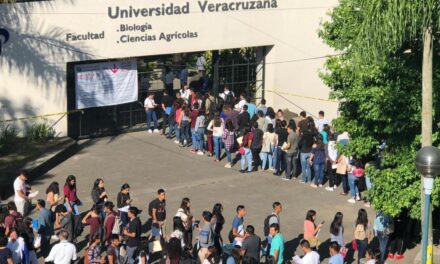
pixel 260 138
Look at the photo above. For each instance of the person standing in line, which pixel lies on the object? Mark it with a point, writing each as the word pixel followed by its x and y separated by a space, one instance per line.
pixel 383 226
pixel 16 245
pixel 29 242
pixel 13 217
pixel 317 160
pixel 252 108
pixel 282 136
pixel 113 253
pixel 200 133
pixel 158 214
pixel 167 103
pixel 150 111
pixel 200 63
pixel 291 152
pixel 332 157
pixel 133 233
pixel 337 230
pixel 262 107
pixel 64 252
pixel 240 105
pixel 237 231
pixel 311 230
pixel 124 202
pixel 243 120
pixel 71 201
pixel 321 121
pixel 216 126
pixel 273 218
pixel 99 196
pixel 184 75
pixel 269 143
pixel 251 246
pixel 354 172
pixel 109 221
pixel 21 197
pixel 277 245
pixel 53 196
pixel 93 219
pixel 193 121
pixel 256 146
pixel 45 226
pixel 206 236
pixel 305 147
pixel 229 141
pixel 184 125
pixel 64 220
pixel 245 151
pixel 184 213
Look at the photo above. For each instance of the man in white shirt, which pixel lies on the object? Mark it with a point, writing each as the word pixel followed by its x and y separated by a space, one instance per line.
pixel 321 121
pixel 200 63
pixel 226 93
pixel 241 103
pixel 21 199
pixel 63 252
pixel 16 245
pixel 311 257
pixel 150 111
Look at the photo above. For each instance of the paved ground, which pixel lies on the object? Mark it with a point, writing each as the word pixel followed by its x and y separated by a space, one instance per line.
pixel 149 161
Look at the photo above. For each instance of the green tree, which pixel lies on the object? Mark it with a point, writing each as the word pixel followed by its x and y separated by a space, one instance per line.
pixel 380 97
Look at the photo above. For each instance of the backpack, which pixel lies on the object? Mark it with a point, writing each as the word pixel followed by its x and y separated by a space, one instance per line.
pixel 78 226
pixel 117 226
pixel 266 225
pixel 229 99
pixel 18 224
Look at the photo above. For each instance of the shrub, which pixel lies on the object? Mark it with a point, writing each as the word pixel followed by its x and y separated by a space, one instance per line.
pixel 39 132
pixel 8 137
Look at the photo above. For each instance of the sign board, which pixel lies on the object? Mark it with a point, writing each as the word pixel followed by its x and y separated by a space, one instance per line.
pixel 107 83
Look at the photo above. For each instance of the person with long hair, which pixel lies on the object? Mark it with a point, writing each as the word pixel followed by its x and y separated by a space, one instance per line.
pixel 282 135
pixel 184 124
pixel 178 231
pixel 354 174
pixel 337 230
pixel 174 251
pixel 99 196
pixel 311 230
pixel 53 196
pixel 217 222
pixel 70 197
pixel 216 126
pixel 123 203
pixel 212 256
pixel 331 164
pixel 93 219
pixel 317 159
pixel 229 141
pixel 361 233
pixel 245 150
pixel 305 145
pixel 269 143
pixel 184 213
pixel 94 250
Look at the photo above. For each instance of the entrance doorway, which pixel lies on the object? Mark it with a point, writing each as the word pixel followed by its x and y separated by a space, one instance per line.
pixel 242 70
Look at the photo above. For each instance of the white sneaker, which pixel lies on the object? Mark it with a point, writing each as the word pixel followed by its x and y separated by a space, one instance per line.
pixel 185 142
pixel 156 131
pixel 351 200
pixel 330 189
pixel 176 141
pixel 228 165
pixel 150 131
pixel 200 152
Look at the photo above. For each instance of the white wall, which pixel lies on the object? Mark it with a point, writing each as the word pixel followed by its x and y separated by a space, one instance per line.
pixel 33 62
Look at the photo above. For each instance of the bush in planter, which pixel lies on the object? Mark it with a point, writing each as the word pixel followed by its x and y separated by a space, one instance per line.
pixel 39 132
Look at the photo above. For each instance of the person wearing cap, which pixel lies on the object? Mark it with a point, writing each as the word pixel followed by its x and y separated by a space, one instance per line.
pixel 133 233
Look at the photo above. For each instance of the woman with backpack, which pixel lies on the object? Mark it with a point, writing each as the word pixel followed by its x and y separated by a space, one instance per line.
pixel 361 233
pixel 216 126
pixel 269 143
pixel 317 159
pixel 184 213
pixel 71 200
pixel 229 141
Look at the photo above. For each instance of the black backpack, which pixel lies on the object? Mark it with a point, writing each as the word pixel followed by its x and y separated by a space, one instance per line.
pixel 18 224
pixel 78 226
pixel 266 226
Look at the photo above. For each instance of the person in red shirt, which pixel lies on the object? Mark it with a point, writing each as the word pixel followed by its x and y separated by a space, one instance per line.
pixel 92 218
pixel 109 220
pixel 245 150
pixel 71 199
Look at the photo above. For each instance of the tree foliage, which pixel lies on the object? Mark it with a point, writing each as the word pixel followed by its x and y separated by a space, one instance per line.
pixel 380 99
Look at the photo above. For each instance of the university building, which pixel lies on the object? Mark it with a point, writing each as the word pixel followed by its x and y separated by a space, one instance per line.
pixel 61 61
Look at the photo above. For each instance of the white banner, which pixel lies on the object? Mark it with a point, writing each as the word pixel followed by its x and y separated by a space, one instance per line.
pixel 106 83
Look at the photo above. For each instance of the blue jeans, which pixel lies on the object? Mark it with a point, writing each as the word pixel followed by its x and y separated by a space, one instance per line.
pixel 319 173
pixel 228 155
pixel 362 248
pixel 151 115
pixel 281 160
pixel 200 136
pixel 305 167
pixel 353 187
pixel 177 131
pixel 266 156
pixel 274 156
pixel 171 128
pixel 247 156
pixel 184 126
pixel 217 147
pixel 131 255
pixel 383 241
pixel 74 208
pixel 194 139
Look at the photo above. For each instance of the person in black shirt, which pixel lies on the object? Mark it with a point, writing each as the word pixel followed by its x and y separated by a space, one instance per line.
pixel 123 203
pixel 305 144
pixel 133 233
pixel 257 144
pixel 243 120
pixel 282 135
pixel 29 239
pixel 217 222
pixel 99 196
pixel 158 213
pixel 167 103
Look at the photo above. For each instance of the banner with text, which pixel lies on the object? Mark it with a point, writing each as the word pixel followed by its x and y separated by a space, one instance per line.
pixel 106 83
